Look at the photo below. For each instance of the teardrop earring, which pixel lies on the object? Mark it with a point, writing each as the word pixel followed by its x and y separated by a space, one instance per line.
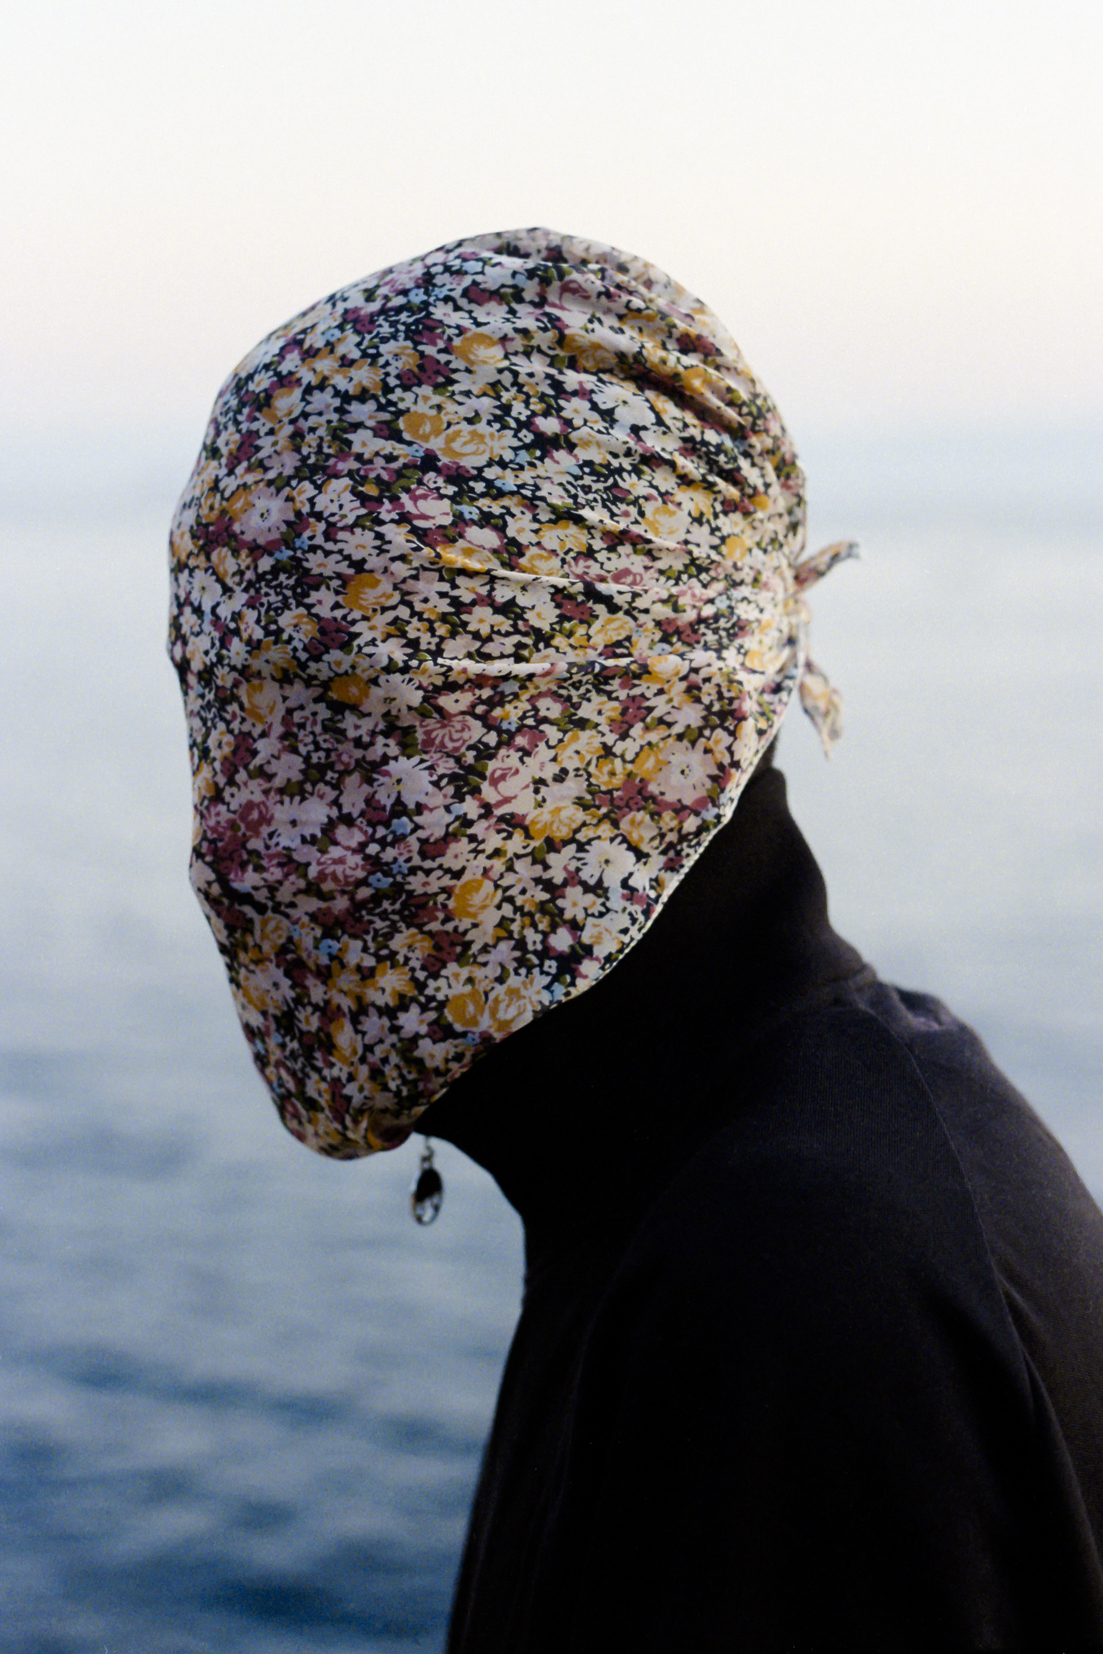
pixel 427 1189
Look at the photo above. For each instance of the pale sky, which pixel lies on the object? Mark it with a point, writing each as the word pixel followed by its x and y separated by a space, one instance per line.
pixel 894 207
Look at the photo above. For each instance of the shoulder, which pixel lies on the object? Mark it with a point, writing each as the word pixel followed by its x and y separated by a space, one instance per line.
pixel 829 1209
pixel 828 1121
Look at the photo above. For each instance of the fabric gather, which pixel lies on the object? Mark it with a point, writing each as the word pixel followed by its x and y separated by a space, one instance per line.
pixel 487 596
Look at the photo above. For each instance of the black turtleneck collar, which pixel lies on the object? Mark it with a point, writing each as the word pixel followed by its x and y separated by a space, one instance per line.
pixel 585 1113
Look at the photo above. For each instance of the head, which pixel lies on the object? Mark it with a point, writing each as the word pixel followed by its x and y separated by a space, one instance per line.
pixel 487 601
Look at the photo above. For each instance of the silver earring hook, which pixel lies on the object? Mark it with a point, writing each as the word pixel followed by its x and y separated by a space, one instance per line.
pixel 427 1189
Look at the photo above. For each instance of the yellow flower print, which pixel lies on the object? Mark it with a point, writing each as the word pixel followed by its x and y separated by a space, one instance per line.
pixel 203 785
pixel 540 562
pixel 563 536
pixel 734 548
pixel 253 990
pixel 730 744
pixel 401 357
pixel 323 367
pixel 666 522
pixel 422 426
pixel 412 943
pixel 465 556
pixel 391 982
pixel 466 1009
pixel 611 629
pixel 344 1043
pixel 518 708
pixel 484 620
pixel 608 773
pixel 593 446
pixel 364 378
pixel 590 354
pixel 557 821
pixel 509 1006
pixel 699 380
pixel 349 984
pixel 366 592
pixel 601 935
pixel 650 760
pixel 181 543
pixel 639 829
pixel 479 350
pixel 271 657
pixel 472 898
pixel 262 700
pixel 272 932
pixel 239 502
pixel 285 404
pixel 225 564
pixel 473 444
pixel 352 689
pixel 697 501
pixel 663 668
pixel 579 746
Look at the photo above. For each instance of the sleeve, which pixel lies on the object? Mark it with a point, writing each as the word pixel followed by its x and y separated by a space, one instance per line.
pixel 808 1426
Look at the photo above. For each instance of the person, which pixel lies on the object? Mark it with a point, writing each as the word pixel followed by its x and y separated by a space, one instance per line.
pixel 489 595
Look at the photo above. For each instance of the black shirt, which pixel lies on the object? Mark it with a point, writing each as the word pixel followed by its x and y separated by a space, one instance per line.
pixel 811 1348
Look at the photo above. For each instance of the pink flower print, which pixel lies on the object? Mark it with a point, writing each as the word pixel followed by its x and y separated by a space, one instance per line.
pixel 509 780
pixel 338 869
pixel 627 577
pixel 632 710
pixel 425 507
pixel 254 816
pixel 447 735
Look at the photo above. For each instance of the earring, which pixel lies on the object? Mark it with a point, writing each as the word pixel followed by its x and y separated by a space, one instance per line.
pixel 427 1189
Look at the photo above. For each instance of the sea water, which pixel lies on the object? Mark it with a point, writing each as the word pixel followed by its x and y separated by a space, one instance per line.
pixel 242 1395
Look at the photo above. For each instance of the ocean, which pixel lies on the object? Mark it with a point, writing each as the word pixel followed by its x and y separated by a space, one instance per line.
pixel 242 1395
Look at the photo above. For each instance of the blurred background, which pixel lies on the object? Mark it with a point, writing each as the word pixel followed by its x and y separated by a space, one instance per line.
pixel 241 1395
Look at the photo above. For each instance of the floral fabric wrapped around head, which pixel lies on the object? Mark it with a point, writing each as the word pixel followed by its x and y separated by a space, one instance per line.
pixel 486 599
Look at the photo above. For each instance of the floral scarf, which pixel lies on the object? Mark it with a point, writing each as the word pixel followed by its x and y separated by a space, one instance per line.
pixel 486 599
